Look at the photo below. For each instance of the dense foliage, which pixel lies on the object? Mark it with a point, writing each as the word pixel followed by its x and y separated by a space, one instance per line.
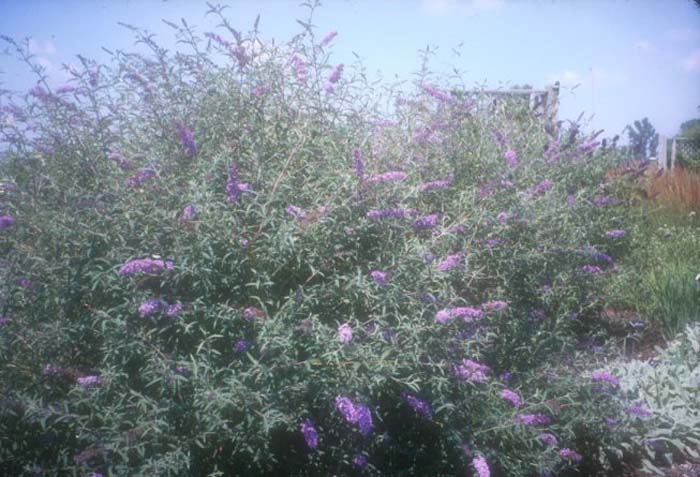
pixel 241 259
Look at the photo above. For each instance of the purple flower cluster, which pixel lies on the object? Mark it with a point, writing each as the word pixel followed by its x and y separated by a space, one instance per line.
pixel 156 305
pixel 4 320
pixel 66 89
pixel 188 213
pixel 6 221
pixel 145 265
pixel 571 455
pixel 310 434
pixel 603 377
pixel 300 68
pixel 296 212
pixel 616 233
pixel 541 188
pixel 481 467
pixel 547 439
pixel 233 185
pixel 436 93
pixel 512 397
pixel 360 461
pixel 328 38
pixel 89 381
pixel 394 213
pixel 592 269
pixel 511 158
pixel 353 413
pixel 472 371
pixel 336 74
pixel 439 184
pixel 250 313
pixel 426 223
pixel 345 333
pixel 357 164
pixel 450 262
pixel 380 278
pixel 419 405
pixel 140 177
pixel 467 314
pixel 494 305
pixel 391 176
pixel 638 409
pixel 533 419
pixel 241 346
pixel 186 139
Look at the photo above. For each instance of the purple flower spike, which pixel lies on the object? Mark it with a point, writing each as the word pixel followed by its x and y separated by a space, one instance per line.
pixel 571 455
pixel 547 439
pixel 449 263
pixel 592 269
pixel 310 434
pixel 345 333
pixel 328 38
pixel 355 414
pixel 426 223
pixel 391 176
pixel 472 371
pixel 151 307
pixel 512 397
pixel 336 74
pixel 419 405
pixel 145 266
pixel 380 278
pixel 186 139
pixel 481 467
pixel 89 381
pixel 533 419
pixel 617 233
pixel 602 376
pixel 241 346
pixel 511 158
pixel 6 221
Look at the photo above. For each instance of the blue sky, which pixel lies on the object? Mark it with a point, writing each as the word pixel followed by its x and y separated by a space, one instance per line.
pixel 617 60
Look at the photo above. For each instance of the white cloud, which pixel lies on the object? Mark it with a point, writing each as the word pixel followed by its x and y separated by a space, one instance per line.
pixel 691 63
pixel 684 34
pixel 39 47
pixel 462 7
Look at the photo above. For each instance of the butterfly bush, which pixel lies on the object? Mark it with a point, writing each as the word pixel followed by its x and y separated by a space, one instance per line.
pixel 338 270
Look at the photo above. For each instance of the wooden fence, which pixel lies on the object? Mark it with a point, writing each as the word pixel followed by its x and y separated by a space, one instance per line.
pixel 669 149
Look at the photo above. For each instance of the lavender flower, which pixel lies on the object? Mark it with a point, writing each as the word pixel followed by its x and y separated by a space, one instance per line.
pixel 146 266
pixel 171 311
pixel 380 278
pixel 151 307
pixel 328 38
pixel 310 435
pixel 250 313
pixel 540 188
pixel 481 466
pixel 472 371
pixel 241 346
pixel 467 313
pixel 51 370
pixel 66 89
pixel 512 397
pixel 495 305
pixel 638 409
pixel 358 165
pixel 39 93
pixel 296 212
pixel 602 376
pixel 533 419
pixel 548 439
pixel 89 381
pixel 592 269
pixel 571 455
pixel 616 233
pixel 24 282
pixel 4 320
pixel 439 184
pixel 396 213
pixel 391 176
pixel 511 158
pixel 437 93
pixel 345 333
pixel 426 223
pixel 300 68
pixel 355 414
pixel 420 406
pixel 449 263
pixel 503 217
pixel 140 178
pixel 189 213
pixel 186 139
pixel 233 190
pixel 360 461
pixel 336 74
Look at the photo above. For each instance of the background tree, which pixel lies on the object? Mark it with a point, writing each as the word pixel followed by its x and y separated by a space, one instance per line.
pixel 643 139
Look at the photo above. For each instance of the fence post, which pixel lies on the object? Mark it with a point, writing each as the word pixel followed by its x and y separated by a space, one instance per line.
pixel 661 152
pixel 673 153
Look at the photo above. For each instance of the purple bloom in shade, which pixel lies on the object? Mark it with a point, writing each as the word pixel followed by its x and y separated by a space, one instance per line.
pixel 391 176
pixel 512 397
pixel 419 405
pixel 310 435
pixel 89 381
pixel 593 269
pixel 449 263
pixel 511 158
pixel 603 377
pixel 427 222
pixel 95 474
pixel 610 421
pixel 24 282
pixel 503 217
pixel 150 307
pixel 602 200
pixel 145 265
pixel 571 455
pixel 355 413
pixel 439 184
pixel 571 200
pixel 241 346
pixel 357 164
pixel 467 313
pixel 233 189
pixel 481 466
pixel 494 305
pixel 189 213
pixel 547 439
pixel 295 212
pixel 345 333
pixel 171 311
pixel 395 213
pixel 533 419
pixel 638 409
pixel 360 461
pixel 617 233
pixel 537 315
pixel 4 320
pixel 250 313
pixel 506 376
pixel 336 74
pixel 140 177
pixel 494 241
pixel 381 278
pixel 51 370
pixel 443 316
pixel 186 139
pixel 472 371
pixel 543 187
pixel 328 38
pixel 66 89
